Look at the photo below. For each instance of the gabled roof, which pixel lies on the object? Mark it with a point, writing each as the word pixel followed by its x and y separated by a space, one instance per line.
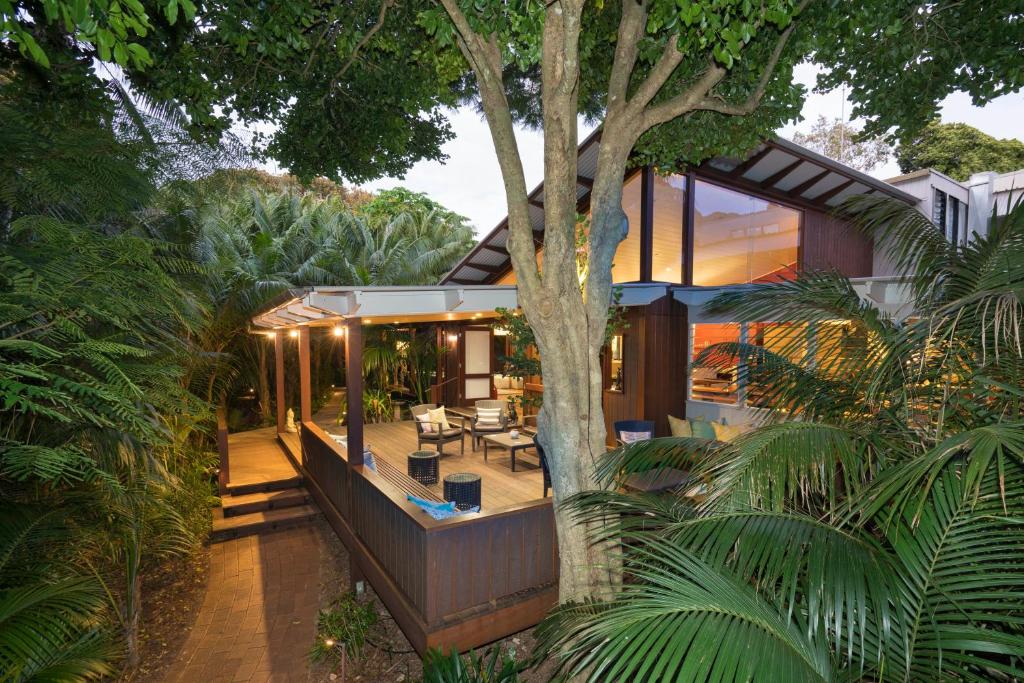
pixel 776 168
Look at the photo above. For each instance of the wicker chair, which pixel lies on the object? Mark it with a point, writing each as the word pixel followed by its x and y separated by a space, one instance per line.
pixel 437 436
pixel 632 426
pixel 477 430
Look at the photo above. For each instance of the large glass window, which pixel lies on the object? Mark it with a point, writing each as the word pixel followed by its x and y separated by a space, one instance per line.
pixel 739 239
pixel 626 265
pixel 716 384
pixel 667 250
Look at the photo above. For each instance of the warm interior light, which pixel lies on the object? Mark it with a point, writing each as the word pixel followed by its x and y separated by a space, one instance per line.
pixel 451 316
pixel 338 331
pixel 452 338
pixel 271 335
pixel 329 642
pixel 293 334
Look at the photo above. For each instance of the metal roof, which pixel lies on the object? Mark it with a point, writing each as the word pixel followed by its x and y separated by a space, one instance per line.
pixel 777 168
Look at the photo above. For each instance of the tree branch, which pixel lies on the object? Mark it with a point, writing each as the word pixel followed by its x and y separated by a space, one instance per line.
pixel 631 27
pixel 484 57
pixel 384 7
pixel 698 97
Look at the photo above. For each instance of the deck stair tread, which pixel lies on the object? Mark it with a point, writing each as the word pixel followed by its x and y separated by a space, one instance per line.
pixel 264 500
pixel 244 487
pixel 263 520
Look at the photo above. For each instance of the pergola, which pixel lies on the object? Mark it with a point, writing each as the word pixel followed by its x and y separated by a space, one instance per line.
pixel 347 309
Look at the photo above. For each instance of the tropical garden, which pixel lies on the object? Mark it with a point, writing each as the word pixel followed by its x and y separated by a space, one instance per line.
pixel 131 260
pixel 870 529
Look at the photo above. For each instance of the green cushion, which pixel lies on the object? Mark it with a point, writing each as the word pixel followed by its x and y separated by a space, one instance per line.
pixel 702 429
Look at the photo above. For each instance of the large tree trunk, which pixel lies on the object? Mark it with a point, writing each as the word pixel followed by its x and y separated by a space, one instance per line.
pixel 569 317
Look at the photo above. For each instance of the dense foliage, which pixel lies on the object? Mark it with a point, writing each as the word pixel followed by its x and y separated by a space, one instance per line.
pixel 104 469
pixel 958 150
pixel 870 529
pixel 129 268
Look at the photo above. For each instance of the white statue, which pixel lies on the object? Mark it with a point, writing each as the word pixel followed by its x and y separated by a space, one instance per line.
pixel 289 424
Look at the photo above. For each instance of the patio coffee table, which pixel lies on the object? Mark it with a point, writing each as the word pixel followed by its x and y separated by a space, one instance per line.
pixel 505 440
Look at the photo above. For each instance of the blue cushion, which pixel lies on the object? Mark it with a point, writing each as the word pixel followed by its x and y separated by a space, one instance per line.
pixel 435 510
pixel 368 460
pixel 439 510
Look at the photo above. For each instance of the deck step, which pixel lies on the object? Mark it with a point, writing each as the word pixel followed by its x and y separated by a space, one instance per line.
pixel 264 500
pixel 244 488
pixel 225 528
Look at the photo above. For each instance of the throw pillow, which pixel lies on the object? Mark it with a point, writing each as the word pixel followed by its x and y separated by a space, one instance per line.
pixel 679 427
pixel 724 432
pixel 488 416
pixel 631 437
pixel 369 461
pixel 435 510
pixel 425 419
pixel 702 429
pixel 437 416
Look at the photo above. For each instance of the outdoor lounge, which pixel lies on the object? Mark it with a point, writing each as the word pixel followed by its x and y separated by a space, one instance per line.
pixel 452 583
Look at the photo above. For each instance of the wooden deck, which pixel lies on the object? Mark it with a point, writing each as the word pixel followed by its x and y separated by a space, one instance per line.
pixel 501 486
pixel 257 458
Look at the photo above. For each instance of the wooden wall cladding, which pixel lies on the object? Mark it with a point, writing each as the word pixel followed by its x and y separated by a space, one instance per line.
pixel 654 367
pixel 454 584
pixel 665 362
pixel 830 243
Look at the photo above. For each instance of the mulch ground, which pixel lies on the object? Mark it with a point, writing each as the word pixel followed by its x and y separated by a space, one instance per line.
pixel 171 597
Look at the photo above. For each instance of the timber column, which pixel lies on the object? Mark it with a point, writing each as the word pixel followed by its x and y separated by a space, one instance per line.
pixel 305 393
pixel 279 379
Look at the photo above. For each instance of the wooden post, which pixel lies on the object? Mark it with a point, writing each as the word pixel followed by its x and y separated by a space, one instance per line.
pixel 282 409
pixel 354 389
pixel 305 394
pixel 224 467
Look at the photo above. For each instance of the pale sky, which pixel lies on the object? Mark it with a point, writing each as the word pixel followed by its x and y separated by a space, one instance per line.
pixel 469 182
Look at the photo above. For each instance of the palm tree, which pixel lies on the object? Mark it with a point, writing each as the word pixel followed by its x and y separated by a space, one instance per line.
pixel 871 527
pixel 259 245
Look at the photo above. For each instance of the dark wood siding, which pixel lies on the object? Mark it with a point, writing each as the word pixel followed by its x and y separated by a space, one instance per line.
pixel 455 584
pixel 665 363
pixel 654 367
pixel 828 243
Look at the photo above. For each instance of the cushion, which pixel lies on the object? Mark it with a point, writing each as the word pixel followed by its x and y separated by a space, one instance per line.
pixel 630 437
pixel 438 416
pixel 501 382
pixel 425 420
pixel 488 416
pixel 369 461
pixel 432 508
pixel 702 429
pixel 724 432
pixel 679 427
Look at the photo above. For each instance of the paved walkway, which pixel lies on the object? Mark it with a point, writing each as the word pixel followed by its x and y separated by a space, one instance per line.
pixel 258 618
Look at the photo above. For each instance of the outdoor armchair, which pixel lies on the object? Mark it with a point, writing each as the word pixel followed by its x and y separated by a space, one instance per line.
pixel 434 431
pixel 491 418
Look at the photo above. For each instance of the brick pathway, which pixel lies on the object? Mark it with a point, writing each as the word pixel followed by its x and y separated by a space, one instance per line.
pixel 258 617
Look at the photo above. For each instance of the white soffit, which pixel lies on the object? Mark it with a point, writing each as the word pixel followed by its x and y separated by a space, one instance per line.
pixel 321 304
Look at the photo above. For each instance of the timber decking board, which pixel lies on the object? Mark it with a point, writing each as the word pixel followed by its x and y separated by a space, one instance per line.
pixel 257 458
pixel 394 441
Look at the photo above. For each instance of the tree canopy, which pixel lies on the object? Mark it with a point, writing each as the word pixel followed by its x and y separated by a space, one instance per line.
pixel 357 90
pixel 843 142
pixel 958 150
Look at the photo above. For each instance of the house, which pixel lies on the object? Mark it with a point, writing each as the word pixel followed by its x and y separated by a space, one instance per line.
pixel 467 580
pixel 726 223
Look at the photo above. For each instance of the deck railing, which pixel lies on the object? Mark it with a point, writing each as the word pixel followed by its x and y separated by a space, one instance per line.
pixel 454 583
